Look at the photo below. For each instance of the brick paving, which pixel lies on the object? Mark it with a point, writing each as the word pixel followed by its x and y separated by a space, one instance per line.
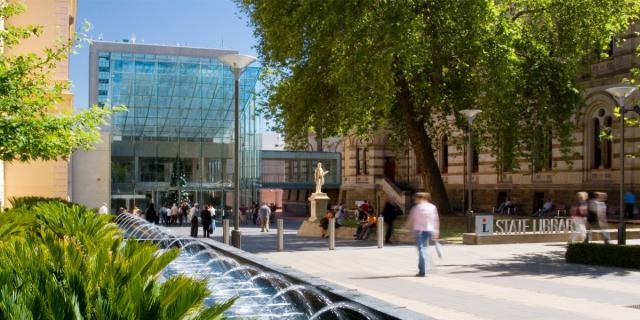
pixel 513 281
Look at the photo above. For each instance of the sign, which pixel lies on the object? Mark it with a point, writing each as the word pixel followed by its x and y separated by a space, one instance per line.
pixel 518 226
pixel 484 225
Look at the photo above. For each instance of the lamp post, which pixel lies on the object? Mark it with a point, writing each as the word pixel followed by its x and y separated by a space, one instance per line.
pixel 238 63
pixel 469 114
pixel 621 94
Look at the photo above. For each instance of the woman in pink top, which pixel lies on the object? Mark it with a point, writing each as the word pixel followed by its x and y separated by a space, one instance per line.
pixel 423 219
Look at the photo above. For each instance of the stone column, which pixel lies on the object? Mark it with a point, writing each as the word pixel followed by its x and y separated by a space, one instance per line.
pixel 318 202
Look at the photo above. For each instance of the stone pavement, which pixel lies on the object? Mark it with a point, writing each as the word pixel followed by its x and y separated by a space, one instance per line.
pixel 515 281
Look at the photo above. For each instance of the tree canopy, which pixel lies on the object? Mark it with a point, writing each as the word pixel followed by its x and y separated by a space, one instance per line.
pixel 32 126
pixel 410 66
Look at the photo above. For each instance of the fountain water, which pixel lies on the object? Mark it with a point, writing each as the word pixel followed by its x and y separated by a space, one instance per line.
pixel 260 294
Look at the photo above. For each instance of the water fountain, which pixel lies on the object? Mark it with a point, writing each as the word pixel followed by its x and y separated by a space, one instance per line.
pixel 261 294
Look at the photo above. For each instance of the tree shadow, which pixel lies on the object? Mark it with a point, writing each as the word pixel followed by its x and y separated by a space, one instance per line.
pixel 550 264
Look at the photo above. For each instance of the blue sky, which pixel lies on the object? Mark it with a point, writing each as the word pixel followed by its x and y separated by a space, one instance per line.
pixel 196 23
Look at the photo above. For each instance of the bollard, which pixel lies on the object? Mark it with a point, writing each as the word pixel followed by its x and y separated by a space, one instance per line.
pixel 380 231
pixel 225 231
pixel 332 234
pixel 280 225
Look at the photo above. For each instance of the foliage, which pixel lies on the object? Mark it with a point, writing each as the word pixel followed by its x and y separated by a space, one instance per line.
pixel 33 123
pixel 30 202
pixel 61 261
pixel 410 66
pixel 623 256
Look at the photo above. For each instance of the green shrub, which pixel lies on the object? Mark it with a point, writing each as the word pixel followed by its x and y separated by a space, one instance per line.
pixel 625 256
pixel 62 261
pixel 30 202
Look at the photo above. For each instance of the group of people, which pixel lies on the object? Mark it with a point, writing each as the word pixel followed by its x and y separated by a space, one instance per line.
pixel 589 213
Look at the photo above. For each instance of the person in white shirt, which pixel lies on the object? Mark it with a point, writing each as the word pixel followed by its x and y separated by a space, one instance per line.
pixel 103 209
pixel 424 221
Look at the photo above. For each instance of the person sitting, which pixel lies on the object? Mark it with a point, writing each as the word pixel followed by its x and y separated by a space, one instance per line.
pixel 365 228
pixel 546 208
pixel 507 206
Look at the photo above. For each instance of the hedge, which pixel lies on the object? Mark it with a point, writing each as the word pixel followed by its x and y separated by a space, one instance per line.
pixel 623 256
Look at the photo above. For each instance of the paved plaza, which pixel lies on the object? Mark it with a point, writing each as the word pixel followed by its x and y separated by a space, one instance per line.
pixel 515 281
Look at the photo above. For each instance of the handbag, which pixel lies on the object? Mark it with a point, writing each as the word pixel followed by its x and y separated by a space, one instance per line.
pixel 438 248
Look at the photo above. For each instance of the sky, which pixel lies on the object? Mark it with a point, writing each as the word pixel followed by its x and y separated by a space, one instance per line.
pixel 193 23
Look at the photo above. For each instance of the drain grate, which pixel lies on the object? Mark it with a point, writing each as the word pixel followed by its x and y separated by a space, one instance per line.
pixel 635 306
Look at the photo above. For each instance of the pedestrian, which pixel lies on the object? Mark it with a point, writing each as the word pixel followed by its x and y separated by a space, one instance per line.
pixel 390 211
pixel 424 221
pixel 340 215
pixel 150 214
pixel 183 212
pixel 256 210
pixel 174 214
pixel 629 204
pixel 265 212
pixel 193 217
pixel 597 216
pixel 212 209
pixel 579 217
pixel 206 222
pixel 103 209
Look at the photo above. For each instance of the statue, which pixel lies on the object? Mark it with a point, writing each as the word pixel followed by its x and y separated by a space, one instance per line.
pixel 319 177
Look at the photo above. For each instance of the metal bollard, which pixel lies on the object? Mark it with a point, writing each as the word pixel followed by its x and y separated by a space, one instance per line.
pixel 280 225
pixel 332 234
pixel 380 231
pixel 225 231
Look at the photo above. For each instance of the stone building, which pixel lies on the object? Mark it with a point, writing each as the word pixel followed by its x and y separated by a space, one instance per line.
pixel 374 169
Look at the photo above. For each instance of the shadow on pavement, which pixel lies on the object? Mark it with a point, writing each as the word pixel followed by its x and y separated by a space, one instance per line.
pixel 384 277
pixel 541 264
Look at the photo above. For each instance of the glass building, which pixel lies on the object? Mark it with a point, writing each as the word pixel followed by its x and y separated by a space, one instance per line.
pixel 175 141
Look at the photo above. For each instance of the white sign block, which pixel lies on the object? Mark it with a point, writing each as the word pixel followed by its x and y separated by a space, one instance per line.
pixel 484 225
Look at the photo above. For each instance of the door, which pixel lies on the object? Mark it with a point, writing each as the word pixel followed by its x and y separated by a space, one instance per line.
pixel 390 169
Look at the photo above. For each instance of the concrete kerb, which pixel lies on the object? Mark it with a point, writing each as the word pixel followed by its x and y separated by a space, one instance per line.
pixel 390 311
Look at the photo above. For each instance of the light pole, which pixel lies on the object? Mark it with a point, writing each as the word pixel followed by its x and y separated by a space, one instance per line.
pixel 470 114
pixel 238 63
pixel 621 94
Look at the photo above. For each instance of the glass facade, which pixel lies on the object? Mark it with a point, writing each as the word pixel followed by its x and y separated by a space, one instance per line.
pixel 175 141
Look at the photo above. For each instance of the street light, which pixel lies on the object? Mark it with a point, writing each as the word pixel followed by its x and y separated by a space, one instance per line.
pixel 238 63
pixel 470 114
pixel 621 94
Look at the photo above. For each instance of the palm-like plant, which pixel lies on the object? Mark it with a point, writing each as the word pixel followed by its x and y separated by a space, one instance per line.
pixel 65 262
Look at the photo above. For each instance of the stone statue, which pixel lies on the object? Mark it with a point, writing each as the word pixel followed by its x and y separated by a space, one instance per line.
pixel 319 177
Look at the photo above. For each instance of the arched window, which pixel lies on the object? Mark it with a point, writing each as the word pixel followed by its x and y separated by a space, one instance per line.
pixel 444 155
pixel 607 153
pixel 597 145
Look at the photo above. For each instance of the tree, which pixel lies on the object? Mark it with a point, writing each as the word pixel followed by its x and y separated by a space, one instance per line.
pixel 31 127
pixel 410 66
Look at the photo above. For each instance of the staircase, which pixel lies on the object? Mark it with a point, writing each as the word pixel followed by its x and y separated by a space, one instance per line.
pixel 393 192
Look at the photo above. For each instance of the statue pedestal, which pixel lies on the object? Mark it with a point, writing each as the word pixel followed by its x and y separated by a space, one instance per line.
pixel 319 202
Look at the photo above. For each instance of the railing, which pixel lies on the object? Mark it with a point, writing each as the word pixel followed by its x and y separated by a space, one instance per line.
pixel 402 198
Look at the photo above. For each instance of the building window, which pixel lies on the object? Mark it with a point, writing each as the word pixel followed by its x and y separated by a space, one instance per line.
pixel 361 161
pixel 444 155
pixel 476 160
pixel 607 153
pixel 597 145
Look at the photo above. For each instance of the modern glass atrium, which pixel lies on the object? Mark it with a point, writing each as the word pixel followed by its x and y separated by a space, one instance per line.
pixel 175 141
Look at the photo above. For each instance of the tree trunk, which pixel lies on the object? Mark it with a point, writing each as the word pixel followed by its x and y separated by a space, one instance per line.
pixel 319 144
pixel 421 145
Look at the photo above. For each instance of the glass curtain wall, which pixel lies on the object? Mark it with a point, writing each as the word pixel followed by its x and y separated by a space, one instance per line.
pixel 175 141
